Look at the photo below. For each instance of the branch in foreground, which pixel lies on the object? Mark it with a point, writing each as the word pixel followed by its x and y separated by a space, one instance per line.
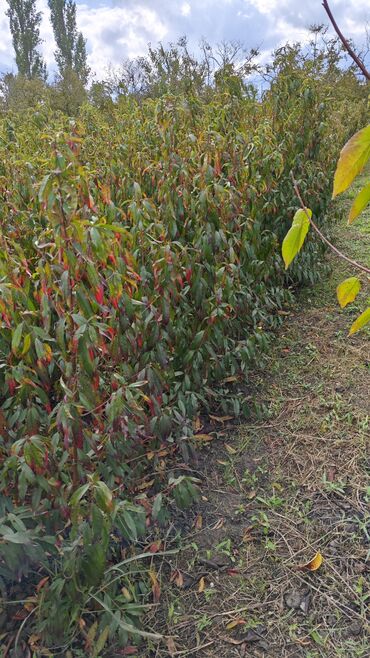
pixel 344 41
pixel 352 262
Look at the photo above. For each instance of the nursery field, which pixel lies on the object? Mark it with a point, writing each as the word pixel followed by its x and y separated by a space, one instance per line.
pixel 141 287
pixel 291 483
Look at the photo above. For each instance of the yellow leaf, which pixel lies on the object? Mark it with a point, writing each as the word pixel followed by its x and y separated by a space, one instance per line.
pixel 91 634
pixel 30 603
pixel 145 485
pixel 33 640
pixel 348 290
pixel 202 585
pixel 296 235
pixel 203 437
pixel 360 203
pixel 235 622
pixel 230 449
pixel 127 594
pixel 361 321
pixel 156 590
pixel 352 160
pixel 313 564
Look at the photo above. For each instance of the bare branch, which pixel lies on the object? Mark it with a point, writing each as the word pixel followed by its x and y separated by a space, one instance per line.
pixel 344 41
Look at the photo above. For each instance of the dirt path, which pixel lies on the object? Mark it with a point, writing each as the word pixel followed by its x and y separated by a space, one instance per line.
pixel 280 489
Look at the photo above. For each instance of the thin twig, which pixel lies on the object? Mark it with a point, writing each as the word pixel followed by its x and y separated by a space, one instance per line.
pixel 352 262
pixel 344 41
pixel 186 652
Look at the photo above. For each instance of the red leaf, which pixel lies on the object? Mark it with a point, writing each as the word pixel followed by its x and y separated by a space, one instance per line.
pixel 129 651
pixel 42 583
pixel 99 294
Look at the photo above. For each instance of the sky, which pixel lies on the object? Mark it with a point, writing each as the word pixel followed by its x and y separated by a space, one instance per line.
pixel 117 29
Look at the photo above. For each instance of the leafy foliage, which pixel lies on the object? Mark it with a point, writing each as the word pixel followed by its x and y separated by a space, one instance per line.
pixel 353 158
pixel 25 22
pixel 140 268
pixel 71 53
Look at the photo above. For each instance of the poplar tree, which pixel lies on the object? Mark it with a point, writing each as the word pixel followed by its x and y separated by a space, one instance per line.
pixel 25 29
pixel 71 46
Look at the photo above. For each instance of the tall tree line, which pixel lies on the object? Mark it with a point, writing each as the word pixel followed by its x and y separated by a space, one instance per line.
pixel 70 55
pixel 25 22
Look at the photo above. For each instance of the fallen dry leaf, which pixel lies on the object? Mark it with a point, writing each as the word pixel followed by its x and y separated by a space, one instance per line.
pixel 154 547
pixel 177 578
pixel 203 437
pixel 145 485
pixel 247 535
pixel 171 646
pixel 233 572
pixel 218 524
pixel 156 590
pixel 33 640
pixel 234 623
pixel 198 522
pixel 221 419
pixel 202 585
pixel 313 564
pixel 230 449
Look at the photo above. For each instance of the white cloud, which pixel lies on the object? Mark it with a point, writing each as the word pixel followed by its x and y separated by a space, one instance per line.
pixel 185 9
pixel 116 29
pixel 46 33
pixel 266 6
pixel 114 33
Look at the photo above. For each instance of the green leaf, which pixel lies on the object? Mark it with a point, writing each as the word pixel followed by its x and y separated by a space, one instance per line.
pixel 44 187
pixel 128 627
pixel 78 494
pixel 101 642
pixel 352 160
pixel 16 337
pixel 296 235
pixel 17 537
pixel 104 496
pixel 39 348
pixel 157 506
pixel 26 344
pixel 348 290
pixel 360 203
pixel 93 564
pixel 361 321
pixel 84 355
pixel 116 228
